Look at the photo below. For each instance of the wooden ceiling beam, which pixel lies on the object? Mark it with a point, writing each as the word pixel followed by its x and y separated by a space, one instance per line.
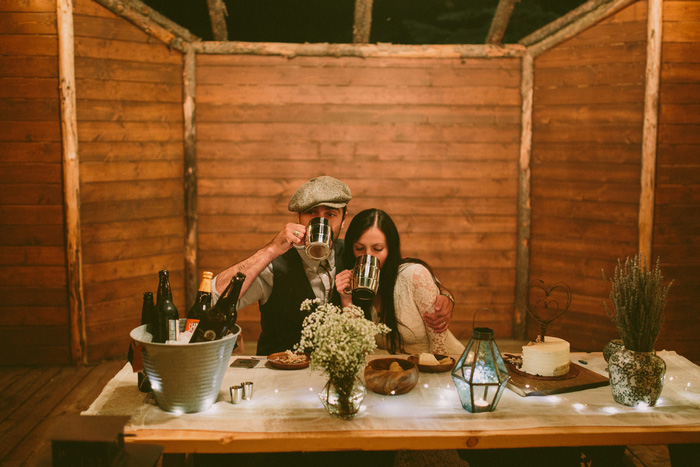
pixel 360 50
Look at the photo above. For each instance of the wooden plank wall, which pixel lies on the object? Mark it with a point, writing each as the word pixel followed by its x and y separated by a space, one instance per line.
pixel 34 305
pixel 129 101
pixel 586 162
pixel 434 142
pixel 676 237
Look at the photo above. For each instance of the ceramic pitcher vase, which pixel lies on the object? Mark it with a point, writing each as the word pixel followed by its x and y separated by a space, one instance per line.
pixel 611 347
pixel 636 377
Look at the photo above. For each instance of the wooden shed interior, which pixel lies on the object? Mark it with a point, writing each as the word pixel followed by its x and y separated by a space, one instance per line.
pixel 129 146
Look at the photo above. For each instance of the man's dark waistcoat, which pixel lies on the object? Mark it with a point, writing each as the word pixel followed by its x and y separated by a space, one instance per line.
pixel 280 317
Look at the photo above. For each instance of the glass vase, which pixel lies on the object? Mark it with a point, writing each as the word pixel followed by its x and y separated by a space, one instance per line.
pixel 343 397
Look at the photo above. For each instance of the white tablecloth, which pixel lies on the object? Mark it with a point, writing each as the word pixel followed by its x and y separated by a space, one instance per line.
pixel 287 401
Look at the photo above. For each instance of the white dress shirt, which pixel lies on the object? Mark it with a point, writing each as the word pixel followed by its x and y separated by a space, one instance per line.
pixel 321 275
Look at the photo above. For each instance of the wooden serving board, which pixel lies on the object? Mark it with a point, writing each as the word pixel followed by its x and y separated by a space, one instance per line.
pixel 537 386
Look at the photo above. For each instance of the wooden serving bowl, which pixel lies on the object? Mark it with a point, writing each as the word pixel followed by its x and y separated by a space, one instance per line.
pixel 380 379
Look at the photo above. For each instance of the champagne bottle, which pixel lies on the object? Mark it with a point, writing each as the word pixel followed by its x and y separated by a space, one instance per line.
pixel 216 323
pixel 203 300
pixel 167 323
pixel 147 317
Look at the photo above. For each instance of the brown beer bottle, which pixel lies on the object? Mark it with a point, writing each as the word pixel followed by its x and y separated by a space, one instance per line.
pixel 147 317
pixel 203 300
pixel 148 310
pixel 167 323
pixel 216 323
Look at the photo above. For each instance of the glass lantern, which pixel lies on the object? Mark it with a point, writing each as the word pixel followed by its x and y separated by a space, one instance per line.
pixel 480 375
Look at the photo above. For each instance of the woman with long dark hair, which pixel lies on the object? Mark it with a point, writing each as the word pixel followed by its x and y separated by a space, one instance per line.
pixel 407 287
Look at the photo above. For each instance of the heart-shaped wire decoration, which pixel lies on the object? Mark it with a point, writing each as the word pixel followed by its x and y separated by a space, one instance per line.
pixel 547 303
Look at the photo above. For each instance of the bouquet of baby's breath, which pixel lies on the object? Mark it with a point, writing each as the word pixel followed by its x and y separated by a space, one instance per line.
pixel 338 340
pixel 639 297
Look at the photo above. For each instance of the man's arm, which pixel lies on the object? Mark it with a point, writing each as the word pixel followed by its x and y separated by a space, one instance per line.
pixel 292 234
pixel 444 305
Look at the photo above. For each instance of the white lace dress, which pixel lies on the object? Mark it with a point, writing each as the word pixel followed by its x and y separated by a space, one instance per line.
pixel 415 294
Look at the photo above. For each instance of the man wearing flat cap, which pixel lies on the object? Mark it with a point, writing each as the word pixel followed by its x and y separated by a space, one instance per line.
pixel 281 277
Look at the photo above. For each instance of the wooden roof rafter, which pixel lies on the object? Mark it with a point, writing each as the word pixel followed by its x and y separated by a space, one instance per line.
pixel 362 24
pixel 570 24
pixel 177 37
pixel 151 22
pixel 217 16
pixel 500 21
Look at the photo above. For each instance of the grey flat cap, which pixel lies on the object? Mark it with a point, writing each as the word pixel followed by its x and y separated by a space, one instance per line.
pixel 324 190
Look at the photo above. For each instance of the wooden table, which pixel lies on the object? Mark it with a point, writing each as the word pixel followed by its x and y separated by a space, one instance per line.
pixel 184 441
pixel 173 433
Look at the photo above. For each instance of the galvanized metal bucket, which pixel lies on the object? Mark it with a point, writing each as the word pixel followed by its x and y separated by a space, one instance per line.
pixel 185 378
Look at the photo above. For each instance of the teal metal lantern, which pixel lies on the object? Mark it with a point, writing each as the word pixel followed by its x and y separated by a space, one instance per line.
pixel 480 375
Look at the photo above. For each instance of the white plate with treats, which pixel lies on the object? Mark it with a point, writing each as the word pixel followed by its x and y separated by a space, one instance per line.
pixel 432 363
pixel 289 360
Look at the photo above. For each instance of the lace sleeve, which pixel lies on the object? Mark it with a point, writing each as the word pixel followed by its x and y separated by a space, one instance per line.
pixel 425 292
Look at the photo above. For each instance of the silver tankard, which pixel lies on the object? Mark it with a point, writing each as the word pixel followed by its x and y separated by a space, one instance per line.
pixel 365 277
pixel 319 238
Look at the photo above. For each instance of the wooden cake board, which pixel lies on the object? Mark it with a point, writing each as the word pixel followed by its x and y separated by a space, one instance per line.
pixel 584 378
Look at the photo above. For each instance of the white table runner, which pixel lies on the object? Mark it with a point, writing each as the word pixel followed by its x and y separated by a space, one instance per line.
pixel 287 401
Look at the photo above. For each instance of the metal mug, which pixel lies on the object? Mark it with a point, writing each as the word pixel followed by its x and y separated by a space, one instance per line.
pixel 365 277
pixel 319 238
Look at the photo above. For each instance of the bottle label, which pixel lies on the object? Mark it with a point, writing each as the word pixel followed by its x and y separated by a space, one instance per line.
pixel 137 358
pixel 191 324
pixel 173 329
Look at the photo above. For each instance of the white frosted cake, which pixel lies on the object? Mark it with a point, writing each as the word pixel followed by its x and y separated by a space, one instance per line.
pixel 548 358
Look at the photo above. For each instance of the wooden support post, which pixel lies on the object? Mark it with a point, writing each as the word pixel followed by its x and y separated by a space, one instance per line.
pixel 522 258
pixel 362 27
pixel 500 21
pixel 217 16
pixel 71 181
pixel 190 176
pixel 650 131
